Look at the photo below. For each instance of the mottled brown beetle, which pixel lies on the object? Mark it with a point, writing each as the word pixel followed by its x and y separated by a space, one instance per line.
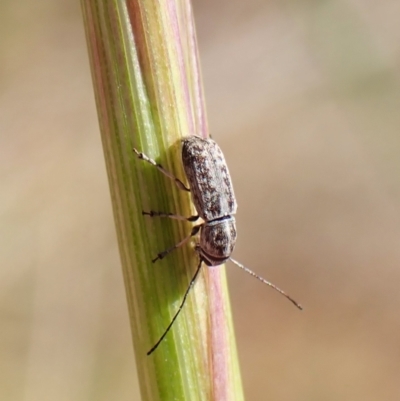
pixel 212 193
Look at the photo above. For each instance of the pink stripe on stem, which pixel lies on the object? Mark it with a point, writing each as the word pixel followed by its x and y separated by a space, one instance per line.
pixel 219 334
pixel 173 18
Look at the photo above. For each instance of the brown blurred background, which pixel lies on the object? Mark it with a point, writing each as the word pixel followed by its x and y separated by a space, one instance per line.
pixel 303 96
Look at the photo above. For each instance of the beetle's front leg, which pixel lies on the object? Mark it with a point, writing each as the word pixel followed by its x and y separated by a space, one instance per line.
pixel 163 254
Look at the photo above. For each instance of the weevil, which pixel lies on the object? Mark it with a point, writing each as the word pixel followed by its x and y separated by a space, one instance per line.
pixel 211 189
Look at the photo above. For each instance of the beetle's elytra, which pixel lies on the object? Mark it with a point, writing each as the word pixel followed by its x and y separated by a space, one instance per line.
pixel 209 179
pixel 212 193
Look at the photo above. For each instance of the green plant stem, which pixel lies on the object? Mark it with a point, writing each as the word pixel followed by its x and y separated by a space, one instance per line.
pixel 148 93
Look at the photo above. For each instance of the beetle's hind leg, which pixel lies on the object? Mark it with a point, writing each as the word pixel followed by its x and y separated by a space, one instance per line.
pixel 147 159
pixel 163 254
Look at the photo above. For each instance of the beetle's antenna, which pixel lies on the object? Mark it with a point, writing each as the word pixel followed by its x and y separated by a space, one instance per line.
pixel 154 347
pixel 266 282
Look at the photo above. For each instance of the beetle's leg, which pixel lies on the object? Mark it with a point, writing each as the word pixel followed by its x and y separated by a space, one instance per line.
pixel 163 254
pixel 192 281
pixel 177 181
pixel 152 213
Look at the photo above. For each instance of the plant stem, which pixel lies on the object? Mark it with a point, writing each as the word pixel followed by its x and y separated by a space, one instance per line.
pixel 148 91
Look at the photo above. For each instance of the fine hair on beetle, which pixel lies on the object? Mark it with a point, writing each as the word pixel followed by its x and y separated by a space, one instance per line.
pixel 211 189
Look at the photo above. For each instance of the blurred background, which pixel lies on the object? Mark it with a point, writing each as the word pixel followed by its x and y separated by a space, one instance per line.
pixel 304 98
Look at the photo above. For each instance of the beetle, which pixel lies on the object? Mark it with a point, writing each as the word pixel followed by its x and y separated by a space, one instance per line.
pixel 212 193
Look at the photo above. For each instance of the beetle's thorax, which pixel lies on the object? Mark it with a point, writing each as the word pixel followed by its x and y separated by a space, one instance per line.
pixel 217 240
